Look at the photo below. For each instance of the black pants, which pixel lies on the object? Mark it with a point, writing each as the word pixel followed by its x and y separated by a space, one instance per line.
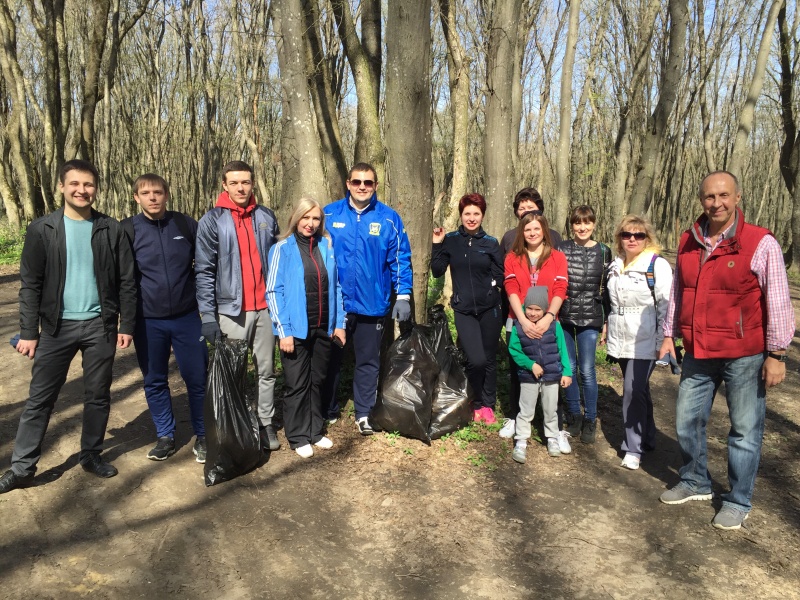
pixel 50 367
pixel 366 333
pixel 304 372
pixel 478 337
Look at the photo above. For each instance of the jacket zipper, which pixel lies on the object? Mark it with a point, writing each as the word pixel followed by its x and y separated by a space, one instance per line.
pixel 250 257
pixel 164 262
pixel 471 282
pixel 319 280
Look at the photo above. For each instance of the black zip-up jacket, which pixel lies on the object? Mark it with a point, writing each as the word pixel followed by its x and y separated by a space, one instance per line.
pixel 587 274
pixel 43 273
pixel 315 276
pixel 164 265
pixel 476 266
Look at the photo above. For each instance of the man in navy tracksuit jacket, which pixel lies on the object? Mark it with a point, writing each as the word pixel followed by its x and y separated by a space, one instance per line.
pixel 373 257
pixel 167 316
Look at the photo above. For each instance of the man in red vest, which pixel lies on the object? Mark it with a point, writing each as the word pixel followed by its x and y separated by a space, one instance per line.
pixel 730 303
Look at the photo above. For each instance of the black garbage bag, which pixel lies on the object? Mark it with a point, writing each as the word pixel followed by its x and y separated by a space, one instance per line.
pixel 409 379
pixel 231 424
pixel 452 401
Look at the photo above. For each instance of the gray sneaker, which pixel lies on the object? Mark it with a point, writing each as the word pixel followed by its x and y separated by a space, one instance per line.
pixel 729 518
pixel 553 447
pixel 681 493
pixel 518 454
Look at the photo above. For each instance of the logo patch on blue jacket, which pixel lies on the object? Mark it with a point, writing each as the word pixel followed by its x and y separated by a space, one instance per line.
pixel 338 225
pixel 262 225
pixel 374 228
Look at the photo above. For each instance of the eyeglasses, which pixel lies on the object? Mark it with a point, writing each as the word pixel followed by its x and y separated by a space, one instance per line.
pixel 357 182
pixel 638 236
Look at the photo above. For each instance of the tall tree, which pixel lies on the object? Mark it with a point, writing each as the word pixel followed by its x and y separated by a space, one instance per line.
pixel 500 135
pixel 408 131
pixel 754 91
pixel 300 152
pixel 565 118
pixel 657 123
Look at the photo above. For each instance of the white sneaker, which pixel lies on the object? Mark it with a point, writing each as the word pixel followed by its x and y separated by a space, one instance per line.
pixel 508 429
pixel 563 442
pixel 631 461
pixel 305 451
pixel 324 443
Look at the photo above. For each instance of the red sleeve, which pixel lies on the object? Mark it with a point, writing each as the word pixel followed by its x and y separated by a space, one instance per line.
pixel 512 282
pixel 559 276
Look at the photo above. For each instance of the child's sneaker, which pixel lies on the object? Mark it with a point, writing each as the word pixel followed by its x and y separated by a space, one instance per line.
pixel 518 453
pixel 488 415
pixel 563 442
pixel 508 429
pixel 553 448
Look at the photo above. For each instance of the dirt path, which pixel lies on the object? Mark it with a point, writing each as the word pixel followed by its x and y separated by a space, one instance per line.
pixel 381 517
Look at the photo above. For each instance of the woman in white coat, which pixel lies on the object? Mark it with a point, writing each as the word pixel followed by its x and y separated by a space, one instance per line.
pixel 638 309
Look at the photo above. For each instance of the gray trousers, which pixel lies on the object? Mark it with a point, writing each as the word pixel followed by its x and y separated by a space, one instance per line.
pixel 637 406
pixel 528 394
pixel 50 367
pixel 256 328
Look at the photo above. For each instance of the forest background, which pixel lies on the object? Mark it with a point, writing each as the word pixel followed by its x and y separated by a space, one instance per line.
pixel 620 104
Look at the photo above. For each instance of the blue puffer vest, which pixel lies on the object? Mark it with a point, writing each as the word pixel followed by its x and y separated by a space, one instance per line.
pixel 544 352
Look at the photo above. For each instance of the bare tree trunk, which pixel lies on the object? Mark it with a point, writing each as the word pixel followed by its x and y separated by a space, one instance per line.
pixel 364 58
pixel 623 147
pixel 559 211
pixel 301 155
pixel 790 149
pixel 500 137
pixel 325 106
pixel 19 136
pixel 657 124
pixel 408 132
pixel 748 112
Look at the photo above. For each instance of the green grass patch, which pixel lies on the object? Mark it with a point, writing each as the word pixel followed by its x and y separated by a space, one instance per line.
pixel 11 242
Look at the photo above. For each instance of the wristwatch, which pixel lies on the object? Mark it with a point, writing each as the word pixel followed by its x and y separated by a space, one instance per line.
pixel 780 357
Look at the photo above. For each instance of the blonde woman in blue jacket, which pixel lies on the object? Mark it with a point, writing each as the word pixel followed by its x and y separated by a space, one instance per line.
pixel 305 303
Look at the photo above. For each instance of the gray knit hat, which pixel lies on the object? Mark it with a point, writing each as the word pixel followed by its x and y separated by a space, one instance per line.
pixel 537 296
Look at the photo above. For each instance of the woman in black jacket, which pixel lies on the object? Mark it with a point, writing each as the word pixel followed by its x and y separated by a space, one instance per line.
pixel 476 266
pixel 583 317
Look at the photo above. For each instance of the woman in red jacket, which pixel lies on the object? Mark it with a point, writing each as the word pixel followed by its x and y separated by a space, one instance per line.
pixel 532 261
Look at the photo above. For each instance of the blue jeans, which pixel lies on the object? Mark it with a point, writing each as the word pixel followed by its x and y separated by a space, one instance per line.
pixel 746 397
pixel 152 340
pixel 584 341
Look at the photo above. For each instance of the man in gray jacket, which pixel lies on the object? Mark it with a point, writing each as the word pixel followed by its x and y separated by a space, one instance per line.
pixel 233 242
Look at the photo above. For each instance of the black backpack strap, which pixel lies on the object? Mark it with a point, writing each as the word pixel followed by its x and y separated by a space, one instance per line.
pixel 651 278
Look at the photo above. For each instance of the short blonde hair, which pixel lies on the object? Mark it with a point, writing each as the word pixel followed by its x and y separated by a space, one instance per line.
pixel 305 204
pixel 637 222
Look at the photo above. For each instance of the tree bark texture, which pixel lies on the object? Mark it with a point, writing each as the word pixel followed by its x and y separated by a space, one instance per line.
pixel 408 132
pixel 500 136
pixel 300 152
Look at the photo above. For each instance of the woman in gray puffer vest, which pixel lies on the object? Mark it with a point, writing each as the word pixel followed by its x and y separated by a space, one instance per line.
pixel 583 317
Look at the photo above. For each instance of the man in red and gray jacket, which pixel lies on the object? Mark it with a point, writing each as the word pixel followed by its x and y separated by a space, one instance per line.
pixel 730 303
pixel 233 242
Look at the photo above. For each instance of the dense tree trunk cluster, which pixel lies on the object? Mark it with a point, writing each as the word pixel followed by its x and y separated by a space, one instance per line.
pixel 620 104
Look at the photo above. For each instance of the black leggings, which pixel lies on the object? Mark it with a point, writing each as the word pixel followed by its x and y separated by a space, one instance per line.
pixel 478 337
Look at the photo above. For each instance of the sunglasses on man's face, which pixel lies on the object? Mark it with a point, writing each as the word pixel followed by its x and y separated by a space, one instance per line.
pixel 357 182
pixel 638 236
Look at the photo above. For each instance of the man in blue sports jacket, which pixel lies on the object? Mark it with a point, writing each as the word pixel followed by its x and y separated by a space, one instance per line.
pixel 373 257
pixel 167 316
